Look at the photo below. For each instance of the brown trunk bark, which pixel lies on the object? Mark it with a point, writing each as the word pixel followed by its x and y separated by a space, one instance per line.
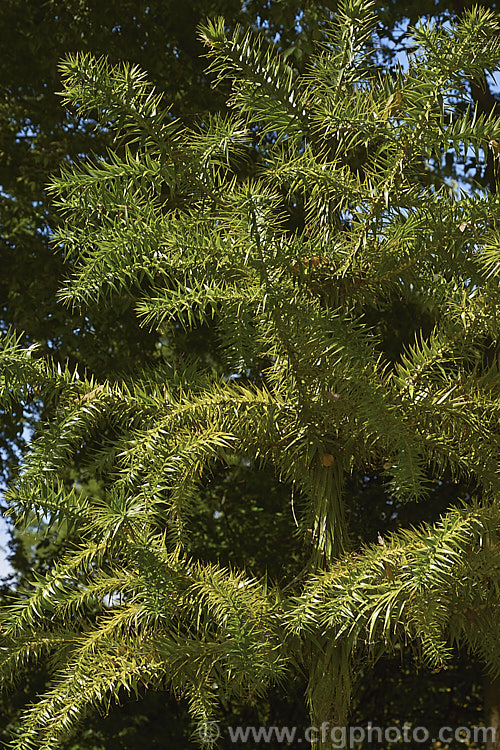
pixel 492 711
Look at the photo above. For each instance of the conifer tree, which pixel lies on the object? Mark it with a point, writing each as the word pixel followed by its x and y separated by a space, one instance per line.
pixel 289 224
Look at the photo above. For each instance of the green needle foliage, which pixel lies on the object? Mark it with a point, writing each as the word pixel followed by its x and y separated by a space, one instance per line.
pixel 285 225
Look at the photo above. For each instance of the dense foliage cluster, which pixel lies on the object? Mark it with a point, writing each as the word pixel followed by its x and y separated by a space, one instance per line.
pixel 285 229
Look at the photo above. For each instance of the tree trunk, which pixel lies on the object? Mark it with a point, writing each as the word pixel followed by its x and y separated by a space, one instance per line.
pixel 492 711
pixel 329 694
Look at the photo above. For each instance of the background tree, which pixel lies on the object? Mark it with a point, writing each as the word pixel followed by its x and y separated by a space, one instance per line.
pixel 108 340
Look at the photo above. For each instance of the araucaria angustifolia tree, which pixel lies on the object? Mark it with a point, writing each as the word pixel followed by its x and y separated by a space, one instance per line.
pixel 287 226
